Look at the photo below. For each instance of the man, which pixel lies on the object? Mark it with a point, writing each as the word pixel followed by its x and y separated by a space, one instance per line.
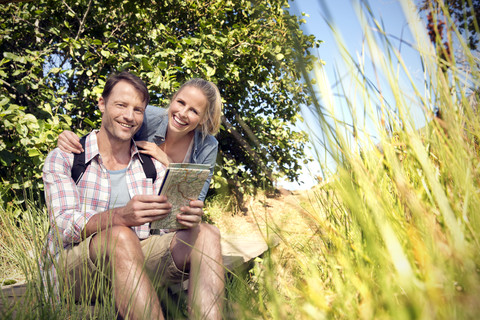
pixel 100 224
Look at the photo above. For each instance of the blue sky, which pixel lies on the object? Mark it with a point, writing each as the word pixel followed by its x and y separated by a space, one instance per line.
pixel 344 17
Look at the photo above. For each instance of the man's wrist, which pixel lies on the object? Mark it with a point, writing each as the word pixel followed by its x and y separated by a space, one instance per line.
pixel 116 217
pixel 113 217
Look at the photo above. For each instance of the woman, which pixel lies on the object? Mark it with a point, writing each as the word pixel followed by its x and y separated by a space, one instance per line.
pixel 182 133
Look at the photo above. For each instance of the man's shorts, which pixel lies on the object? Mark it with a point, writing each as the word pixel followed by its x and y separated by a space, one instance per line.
pixel 91 280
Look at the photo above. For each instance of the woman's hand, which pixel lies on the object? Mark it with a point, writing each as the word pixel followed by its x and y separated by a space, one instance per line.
pixel 154 151
pixel 69 142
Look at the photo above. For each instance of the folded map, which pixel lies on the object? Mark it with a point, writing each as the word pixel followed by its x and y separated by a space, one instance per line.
pixel 182 183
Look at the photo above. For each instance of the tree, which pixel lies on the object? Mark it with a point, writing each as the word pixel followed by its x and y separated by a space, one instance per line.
pixel 443 16
pixel 464 14
pixel 56 57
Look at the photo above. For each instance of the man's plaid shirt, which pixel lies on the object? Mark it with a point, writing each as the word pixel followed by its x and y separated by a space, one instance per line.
pixel 70 206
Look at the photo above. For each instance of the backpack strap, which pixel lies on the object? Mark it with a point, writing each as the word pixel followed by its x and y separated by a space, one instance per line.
pixel 148 166
pixel 79 166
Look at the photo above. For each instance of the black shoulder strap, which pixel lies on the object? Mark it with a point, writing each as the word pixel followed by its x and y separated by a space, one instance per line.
pixel 79 166
pixel 148 167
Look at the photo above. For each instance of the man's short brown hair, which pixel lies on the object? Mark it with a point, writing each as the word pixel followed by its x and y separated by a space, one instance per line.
pixel 135 81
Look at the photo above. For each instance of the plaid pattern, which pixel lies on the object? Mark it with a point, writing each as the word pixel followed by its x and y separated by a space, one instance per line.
pixel 70 206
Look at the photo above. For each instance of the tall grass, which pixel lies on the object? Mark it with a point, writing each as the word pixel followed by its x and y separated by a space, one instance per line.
pixel 396 231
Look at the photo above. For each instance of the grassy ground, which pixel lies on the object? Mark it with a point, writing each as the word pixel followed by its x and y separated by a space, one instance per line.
pixel 374 242
pixel 279 216
pixel 395 231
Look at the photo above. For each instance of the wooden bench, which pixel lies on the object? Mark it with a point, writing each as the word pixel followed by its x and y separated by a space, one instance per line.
pixel 237 252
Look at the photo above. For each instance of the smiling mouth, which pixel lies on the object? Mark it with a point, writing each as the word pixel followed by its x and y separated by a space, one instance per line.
pixel 180 122
pixel 126 125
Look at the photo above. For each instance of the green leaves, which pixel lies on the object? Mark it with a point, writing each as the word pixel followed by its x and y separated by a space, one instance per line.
pixel 55 71
pixel 14 57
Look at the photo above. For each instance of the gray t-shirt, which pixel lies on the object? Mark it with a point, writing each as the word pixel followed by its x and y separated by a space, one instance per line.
pixel 119 195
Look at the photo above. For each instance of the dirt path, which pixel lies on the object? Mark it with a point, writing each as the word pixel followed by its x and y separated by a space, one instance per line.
pixel 286 211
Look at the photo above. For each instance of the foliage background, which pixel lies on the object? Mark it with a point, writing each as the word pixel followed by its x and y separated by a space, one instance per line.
pixel 462 13
pixel 56 55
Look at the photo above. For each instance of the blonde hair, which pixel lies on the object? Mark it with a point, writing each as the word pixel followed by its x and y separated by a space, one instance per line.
pixel 213 111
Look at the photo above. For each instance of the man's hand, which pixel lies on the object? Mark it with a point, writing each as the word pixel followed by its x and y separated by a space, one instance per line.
pixel 142 209
pixel 191 215
pixel 69 142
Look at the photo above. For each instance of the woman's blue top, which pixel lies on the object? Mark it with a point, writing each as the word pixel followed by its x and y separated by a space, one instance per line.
pixel 154 129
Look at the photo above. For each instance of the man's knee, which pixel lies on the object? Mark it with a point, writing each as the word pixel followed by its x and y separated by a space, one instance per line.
pixel 114 241
pixel 195 237
pixel 204 238
pixel 123 235
pixel 209 231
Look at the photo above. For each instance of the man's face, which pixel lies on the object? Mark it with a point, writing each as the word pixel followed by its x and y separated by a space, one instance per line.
pixel 122 111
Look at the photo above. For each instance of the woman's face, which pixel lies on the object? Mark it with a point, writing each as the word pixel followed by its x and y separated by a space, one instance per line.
pixel 187 110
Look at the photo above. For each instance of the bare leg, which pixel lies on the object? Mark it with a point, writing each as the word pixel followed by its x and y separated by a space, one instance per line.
pixel 135 296
pixel 204 262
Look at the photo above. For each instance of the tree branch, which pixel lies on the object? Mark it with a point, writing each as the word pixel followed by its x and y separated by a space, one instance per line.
pixel 13 1
pixel 252 136
pixel 231 129
pixel 82 23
